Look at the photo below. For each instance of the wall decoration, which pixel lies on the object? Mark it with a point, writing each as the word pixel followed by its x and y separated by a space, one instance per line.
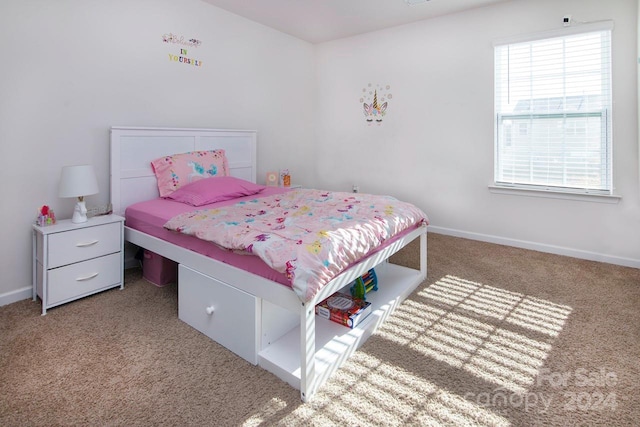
pixel 182 57
pixel 375 101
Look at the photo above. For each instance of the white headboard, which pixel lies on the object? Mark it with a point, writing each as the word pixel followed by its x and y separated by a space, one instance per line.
pixel 133 149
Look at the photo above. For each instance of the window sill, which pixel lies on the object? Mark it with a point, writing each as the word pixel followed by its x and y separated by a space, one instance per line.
pixel 551 194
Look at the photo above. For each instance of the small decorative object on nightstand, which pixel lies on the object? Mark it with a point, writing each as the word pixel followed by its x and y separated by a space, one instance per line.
pixel 45 216
pixel 72 261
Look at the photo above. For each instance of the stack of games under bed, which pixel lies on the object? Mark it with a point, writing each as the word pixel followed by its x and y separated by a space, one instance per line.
pixel 350 310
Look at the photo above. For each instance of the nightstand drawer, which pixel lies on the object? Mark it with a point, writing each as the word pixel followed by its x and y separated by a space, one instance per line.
pixel 84 278
pixel 225 314
pixel 83 243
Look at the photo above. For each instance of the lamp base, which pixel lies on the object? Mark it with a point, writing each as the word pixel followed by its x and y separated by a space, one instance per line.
pixel 79 213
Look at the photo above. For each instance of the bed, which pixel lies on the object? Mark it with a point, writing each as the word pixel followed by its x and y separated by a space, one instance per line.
pixel 249 311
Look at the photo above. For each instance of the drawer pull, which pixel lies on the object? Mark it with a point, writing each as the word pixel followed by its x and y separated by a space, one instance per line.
pixel 82 279
pixel 209 310
pixel 84 245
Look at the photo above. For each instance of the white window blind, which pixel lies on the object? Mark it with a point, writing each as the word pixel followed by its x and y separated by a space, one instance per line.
pixel 553 113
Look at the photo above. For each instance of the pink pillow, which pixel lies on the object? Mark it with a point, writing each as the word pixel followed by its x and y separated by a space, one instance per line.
pixel 216 189
pixel 172 172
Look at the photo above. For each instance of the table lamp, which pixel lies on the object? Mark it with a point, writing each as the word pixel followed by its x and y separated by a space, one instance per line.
pixel 78 181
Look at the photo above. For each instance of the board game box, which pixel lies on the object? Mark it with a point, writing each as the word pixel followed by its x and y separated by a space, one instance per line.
pixel 344 309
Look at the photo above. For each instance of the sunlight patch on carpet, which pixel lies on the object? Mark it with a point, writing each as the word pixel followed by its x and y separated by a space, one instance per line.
pixel 369 390
pixel 500 336
pixel 268 411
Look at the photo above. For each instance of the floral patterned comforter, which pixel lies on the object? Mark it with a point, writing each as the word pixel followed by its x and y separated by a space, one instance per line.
pixel 310 235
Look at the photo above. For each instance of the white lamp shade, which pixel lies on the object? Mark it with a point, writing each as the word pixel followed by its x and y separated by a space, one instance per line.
pixel 77 181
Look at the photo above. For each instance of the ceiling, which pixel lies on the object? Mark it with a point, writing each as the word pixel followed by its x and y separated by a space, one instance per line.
pixel 318 21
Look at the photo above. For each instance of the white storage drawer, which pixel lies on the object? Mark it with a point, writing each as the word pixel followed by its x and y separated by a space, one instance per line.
pixel 84 278
pixel 83 243
pixel 225 314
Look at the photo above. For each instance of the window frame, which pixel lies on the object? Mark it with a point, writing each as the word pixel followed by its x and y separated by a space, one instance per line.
pixel 605 114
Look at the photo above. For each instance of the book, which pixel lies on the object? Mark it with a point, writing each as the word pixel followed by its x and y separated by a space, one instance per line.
pixel 344 309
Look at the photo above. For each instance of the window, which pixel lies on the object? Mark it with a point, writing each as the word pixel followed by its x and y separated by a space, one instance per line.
pixel 553 112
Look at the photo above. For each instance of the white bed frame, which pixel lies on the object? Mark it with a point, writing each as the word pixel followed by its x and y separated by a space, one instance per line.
pixel 275 330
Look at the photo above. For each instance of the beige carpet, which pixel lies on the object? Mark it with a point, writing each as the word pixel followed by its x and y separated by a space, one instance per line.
pixel 495 336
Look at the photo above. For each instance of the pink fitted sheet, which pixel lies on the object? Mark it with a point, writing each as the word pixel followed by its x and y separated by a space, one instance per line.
pixel 150 216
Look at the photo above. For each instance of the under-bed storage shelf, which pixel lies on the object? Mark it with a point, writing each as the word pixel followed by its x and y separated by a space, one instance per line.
pixel 334 342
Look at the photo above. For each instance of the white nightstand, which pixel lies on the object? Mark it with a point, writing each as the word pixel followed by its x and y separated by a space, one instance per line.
pixel 72 261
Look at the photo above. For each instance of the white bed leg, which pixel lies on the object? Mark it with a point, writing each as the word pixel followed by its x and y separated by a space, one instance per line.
pixel 308 381
pixel 423 255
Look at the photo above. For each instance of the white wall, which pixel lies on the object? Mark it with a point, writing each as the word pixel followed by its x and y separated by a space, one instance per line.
pixel 435 145
pixel 73 68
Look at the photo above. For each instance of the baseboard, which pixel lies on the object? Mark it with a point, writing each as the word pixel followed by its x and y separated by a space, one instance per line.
pixel 540 247
pixel 15 296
